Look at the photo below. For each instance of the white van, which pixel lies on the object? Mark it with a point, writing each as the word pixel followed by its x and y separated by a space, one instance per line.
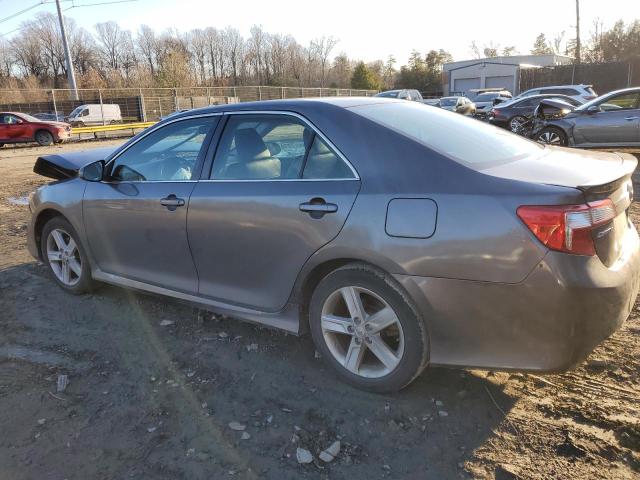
pixel 95 114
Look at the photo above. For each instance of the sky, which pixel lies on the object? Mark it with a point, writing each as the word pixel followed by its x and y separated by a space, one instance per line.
pixel 364 30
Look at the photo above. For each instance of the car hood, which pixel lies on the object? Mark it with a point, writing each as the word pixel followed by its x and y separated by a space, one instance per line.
pixel 53 123
pixel 66 165
pixel 568 168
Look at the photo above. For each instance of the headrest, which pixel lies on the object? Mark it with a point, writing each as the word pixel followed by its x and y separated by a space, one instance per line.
pixel 250 146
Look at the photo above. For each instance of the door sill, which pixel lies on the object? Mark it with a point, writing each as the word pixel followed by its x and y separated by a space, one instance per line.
pixel 286 319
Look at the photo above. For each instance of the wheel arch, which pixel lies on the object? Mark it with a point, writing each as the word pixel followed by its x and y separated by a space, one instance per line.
pixel 312 274
pixel 41 220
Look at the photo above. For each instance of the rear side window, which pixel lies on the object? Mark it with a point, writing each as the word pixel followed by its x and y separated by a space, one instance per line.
pixel 464 140
pixel 275 147
pixel 323 163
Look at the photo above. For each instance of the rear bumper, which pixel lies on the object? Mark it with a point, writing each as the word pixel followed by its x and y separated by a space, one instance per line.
pixel 498 122
pixel 548 323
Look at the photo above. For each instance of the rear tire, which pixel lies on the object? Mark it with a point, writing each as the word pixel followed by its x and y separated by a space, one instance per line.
pixel 63 253
pixel 44 138
pixel 552 136
pixel 382 348
pixel 515 123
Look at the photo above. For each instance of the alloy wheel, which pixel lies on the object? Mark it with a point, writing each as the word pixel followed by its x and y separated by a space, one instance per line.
pixel 64 257
pixel 516 124
pixel 362 332
pixel 550 138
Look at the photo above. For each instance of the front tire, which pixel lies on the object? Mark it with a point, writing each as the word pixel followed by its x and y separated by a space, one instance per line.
pixel 367 330
pixel 62 252
pixel 44 138
pixel 552 136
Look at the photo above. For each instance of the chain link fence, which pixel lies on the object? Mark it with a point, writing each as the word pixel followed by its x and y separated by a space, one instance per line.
pixel 604 77
pixel 147 104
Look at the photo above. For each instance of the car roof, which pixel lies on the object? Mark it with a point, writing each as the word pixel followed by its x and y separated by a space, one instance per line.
pixel 293 105
pixel 562 86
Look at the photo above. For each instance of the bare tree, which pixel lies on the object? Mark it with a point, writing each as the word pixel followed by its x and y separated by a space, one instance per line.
pixel 323 47
pixel 146 43
pixel 197 44
pixel 111 43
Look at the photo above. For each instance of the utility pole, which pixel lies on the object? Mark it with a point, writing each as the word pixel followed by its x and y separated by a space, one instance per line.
pixel 578 31
pixel 67 54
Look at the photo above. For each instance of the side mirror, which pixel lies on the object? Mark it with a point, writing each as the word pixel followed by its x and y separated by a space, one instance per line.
pixel 594 109
pixel 94 172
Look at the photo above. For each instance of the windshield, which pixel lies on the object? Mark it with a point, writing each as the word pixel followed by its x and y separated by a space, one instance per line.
pixel 448 102
pixel 76 111
pixel 486 97
pixel 483 145
pixel 29 118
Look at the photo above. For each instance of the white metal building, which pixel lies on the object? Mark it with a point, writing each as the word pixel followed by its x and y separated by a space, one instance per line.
pixel 502 72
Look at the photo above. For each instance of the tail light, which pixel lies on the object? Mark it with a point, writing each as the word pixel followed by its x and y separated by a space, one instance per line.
pixel 567 228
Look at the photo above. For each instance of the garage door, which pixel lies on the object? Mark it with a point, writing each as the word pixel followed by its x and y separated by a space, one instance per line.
pixel 462 85
pixel 500 82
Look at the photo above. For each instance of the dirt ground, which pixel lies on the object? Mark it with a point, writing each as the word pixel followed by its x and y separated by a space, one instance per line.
pixel 154 386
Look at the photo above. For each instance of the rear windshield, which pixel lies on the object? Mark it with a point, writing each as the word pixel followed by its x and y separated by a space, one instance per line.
pixel 464 140
pixel 448 102
pixel 486 97
pixel 393 94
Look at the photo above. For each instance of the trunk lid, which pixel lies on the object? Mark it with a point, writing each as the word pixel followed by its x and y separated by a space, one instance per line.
pixel 66 165
pixel 567 168
pixel 599 175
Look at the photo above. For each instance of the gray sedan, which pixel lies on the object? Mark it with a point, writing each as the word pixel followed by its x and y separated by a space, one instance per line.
pixel 397 235
pixel 612 120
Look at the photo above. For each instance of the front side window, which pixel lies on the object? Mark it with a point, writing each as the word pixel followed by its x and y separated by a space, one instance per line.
pixel 274 147
pixel 626 101
pixel 170 153
pixel 9 119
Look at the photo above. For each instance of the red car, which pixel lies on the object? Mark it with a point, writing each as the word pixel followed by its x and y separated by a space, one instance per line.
pixel 22 128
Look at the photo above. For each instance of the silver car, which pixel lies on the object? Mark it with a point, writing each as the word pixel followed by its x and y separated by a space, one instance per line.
pixel 397 235
pixel 612 120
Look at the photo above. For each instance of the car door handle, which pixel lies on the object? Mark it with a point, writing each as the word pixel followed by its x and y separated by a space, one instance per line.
pixel 172 202
pixel 317 207
pixel 631 118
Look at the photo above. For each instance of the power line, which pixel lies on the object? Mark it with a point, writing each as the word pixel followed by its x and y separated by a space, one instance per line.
pixel 99 4
pixel 14 15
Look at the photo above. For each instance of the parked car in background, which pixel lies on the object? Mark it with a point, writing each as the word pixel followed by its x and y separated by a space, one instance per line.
pixel 514 113
pixel 402 94
pixel 95 114
pixel 582 93
pixel 434 102
pixel 18 127
pixel 612 120
pixel 484 102
pixel 474 92
pixel 458 104
pixel 56 117
pixel 397 234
